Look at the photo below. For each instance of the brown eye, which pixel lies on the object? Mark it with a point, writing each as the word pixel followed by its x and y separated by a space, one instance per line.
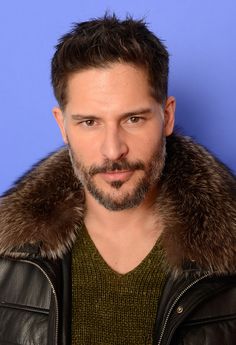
pixel 134 119
pixel 89 123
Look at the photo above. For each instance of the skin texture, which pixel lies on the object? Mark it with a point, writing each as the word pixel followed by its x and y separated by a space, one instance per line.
pixel 116 133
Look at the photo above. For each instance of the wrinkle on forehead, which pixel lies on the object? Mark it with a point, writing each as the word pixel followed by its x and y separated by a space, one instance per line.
pixel 118 88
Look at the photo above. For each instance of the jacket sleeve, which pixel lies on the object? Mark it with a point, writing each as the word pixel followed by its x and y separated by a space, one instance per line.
pixel 25 302
pixel 213 322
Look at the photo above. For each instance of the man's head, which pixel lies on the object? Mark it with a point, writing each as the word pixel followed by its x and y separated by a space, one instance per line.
pixel 114 112
pixel 100 42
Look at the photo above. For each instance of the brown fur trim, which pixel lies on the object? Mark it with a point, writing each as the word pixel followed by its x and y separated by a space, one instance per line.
pixel 196 203
pixel 45 207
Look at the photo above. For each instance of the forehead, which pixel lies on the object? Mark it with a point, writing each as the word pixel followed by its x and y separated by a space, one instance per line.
pixel 114 84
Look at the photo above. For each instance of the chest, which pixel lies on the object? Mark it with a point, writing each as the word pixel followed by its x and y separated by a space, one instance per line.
pixel 113 308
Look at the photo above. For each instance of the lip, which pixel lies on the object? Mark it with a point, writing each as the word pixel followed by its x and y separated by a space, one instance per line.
pixel 117 175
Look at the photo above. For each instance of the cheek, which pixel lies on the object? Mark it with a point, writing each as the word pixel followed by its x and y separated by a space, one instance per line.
pixel 149 144
pixel 85 151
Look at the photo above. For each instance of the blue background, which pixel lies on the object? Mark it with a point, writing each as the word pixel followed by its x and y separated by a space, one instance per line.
pixel 200 36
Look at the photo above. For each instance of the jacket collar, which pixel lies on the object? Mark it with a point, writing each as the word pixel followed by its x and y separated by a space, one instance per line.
pixel 196 203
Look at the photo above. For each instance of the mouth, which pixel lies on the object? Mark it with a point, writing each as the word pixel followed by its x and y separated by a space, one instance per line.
pixel 117 175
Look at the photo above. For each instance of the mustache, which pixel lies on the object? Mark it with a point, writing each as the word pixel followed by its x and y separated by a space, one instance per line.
pixel 110 166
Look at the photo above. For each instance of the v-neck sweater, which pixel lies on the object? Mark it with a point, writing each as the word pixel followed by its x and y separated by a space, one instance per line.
pixel 109 308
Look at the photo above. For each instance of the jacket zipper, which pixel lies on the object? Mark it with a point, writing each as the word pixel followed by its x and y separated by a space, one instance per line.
pixel 174 304
pixel 53 291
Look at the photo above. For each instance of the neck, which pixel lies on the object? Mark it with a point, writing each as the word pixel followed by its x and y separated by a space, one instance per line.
pixel 123 238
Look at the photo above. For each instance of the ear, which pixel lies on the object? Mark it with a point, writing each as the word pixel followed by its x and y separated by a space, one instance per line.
pixel 59 117
pixel 169 112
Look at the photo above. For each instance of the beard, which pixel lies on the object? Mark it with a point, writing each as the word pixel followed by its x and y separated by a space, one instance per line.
pixel 152 172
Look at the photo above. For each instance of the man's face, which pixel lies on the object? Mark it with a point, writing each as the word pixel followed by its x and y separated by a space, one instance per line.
pixel 116 133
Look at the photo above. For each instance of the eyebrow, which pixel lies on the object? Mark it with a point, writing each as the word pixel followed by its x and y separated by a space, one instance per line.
pixel 141 111
pixel 78 117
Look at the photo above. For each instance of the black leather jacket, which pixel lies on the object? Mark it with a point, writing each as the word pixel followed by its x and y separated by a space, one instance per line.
pixel 35 306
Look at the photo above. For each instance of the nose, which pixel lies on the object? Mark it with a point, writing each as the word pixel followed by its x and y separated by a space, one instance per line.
pixel 114 146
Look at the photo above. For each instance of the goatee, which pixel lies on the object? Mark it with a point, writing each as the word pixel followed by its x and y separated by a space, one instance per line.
pixel 152 173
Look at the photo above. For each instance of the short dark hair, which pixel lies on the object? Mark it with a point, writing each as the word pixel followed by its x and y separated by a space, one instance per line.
pixel 102 41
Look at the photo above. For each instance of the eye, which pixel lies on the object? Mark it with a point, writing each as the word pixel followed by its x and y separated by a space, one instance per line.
pixel 88 123
pixel 135 119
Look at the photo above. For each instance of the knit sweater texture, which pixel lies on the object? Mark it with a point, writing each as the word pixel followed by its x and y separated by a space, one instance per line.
pixel 109 308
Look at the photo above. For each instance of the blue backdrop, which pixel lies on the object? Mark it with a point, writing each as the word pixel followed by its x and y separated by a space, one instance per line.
pixel 200 35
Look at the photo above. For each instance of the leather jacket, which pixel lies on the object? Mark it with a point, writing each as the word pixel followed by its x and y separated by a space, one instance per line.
pixel 193 310
pixel 38 221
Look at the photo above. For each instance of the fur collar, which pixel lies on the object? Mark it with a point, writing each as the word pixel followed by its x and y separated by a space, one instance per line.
pixel 197 204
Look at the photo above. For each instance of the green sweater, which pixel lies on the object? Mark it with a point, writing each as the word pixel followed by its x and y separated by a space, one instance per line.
pixel 109 308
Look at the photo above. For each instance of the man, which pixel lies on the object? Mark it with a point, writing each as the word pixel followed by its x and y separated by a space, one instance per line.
pixel 127 235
